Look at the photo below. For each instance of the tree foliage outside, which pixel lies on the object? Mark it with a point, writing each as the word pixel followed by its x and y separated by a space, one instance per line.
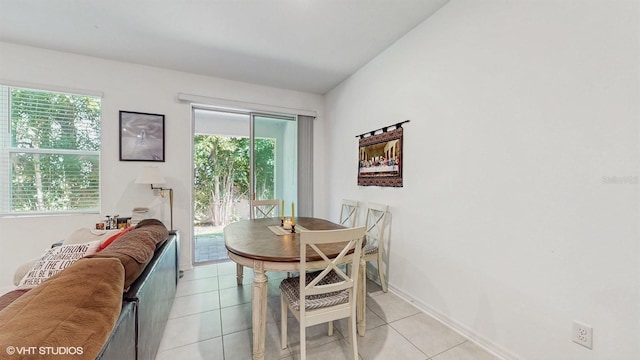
pixel 221 167
pixel 54 151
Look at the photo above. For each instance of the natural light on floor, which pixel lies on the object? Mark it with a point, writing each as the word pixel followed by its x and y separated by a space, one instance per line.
pixel 211 319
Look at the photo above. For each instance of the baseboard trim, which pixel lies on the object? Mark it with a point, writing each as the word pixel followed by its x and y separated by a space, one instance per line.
pixel 487 345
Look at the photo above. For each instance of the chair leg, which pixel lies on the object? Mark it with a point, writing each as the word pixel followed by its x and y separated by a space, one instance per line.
pixel 330 332
pixel 383 282
pixel 353 337
pixel 303 340
pixel 283 318
pixel 239 274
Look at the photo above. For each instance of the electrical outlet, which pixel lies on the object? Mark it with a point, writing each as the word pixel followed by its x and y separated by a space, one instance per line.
pixel 582 334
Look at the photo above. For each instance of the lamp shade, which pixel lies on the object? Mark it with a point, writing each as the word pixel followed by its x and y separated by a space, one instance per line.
pixel 150 175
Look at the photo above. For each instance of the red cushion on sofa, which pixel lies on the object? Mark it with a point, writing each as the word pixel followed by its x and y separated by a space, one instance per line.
pixel 114 237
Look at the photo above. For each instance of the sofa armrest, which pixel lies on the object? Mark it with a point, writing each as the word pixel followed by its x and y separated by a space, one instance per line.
pixel 75 307
pixel 122 342
pixel 153 293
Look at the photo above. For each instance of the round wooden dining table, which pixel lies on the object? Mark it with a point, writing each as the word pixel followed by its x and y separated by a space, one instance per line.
pixel 253 244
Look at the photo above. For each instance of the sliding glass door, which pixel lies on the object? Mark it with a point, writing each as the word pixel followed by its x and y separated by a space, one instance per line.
pixel 274 158
pixel 237 157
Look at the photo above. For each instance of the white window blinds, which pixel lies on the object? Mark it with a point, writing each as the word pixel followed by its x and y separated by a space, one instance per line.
pixel 49 152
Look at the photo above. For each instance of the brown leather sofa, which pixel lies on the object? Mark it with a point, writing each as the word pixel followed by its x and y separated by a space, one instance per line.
pixel 146 307
pixel 77 307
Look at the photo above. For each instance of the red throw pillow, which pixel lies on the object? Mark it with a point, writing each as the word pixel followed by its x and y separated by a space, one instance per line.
pixel 114 237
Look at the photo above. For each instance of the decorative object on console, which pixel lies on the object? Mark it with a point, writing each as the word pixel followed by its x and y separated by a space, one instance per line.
pixel 138 214
pixel 380 157
pixel 151 175
pixel 123 222
pixel 111 222
pixel 141 136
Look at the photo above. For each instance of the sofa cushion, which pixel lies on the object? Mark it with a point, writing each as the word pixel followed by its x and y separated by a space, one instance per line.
pixel 147 222
pixel 78 236
pixel 132 269
pixel 139 243
pixel 22 270
pixel 76 308
pixel 113 238
pixel 135 249
pixel 10 297
pixel 85 235
pixel 55 260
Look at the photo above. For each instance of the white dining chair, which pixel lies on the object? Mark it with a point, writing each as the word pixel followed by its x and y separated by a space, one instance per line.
pixel 374 238
pixel 265 208
pixel 349 213
pixel 326 295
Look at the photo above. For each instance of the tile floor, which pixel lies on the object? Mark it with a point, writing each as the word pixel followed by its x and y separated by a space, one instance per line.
pixel 211 319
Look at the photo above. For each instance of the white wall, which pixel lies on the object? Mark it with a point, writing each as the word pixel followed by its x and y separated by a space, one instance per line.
pixel 506 227
pixel 134 88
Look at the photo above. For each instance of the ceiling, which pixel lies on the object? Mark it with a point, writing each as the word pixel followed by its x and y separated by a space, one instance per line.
pixel 305 45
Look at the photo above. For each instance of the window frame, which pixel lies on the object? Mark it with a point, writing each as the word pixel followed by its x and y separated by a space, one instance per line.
pixel 7 150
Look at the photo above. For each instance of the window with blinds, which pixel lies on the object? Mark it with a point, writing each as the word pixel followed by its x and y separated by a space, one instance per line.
pixel 49 152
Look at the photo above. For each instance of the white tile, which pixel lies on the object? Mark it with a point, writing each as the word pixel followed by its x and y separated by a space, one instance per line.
pixel 466 351
pixel 236 318
pixel 274 287
pixel 389 307
pixel 201 272
pixel 316 335
pixel 273 305
pixel 373 321
pixel 190 287
pixel 337 350
pixel 231 281
pixel 385 343
pixel 427 334
pixel 206 349
pixel 196 303
pixel 273 278
pixel 235 296
pixel 373 289
pixel 209 304
pixel 239 345
pixel 191 329
pixel 229 268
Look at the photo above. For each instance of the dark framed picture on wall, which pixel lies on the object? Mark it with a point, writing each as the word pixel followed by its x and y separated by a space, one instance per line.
pixel 141 136
pixel 380 159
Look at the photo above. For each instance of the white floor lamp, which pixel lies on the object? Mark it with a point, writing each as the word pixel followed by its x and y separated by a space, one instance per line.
pixel 151 175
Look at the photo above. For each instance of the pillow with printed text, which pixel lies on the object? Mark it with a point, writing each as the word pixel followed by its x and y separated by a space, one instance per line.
pixel 55 260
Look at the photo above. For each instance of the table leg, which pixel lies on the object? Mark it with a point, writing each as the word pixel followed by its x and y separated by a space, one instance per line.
pixel 239 274
pixel 259 307
pixel 361 301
